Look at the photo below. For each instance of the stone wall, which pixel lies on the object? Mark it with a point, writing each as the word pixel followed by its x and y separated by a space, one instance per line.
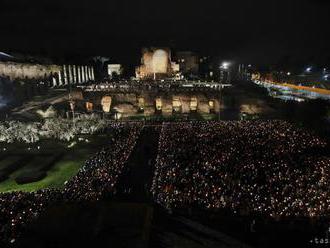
pixel 129 103
pixel 20 71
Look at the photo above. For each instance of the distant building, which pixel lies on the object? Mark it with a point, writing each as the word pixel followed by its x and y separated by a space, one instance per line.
pixel 59 74
pixel 115 70
pixel 244 72
pixel 156 63
pixel 206 68
pixel 189 63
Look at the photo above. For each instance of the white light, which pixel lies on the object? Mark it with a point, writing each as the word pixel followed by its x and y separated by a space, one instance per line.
pixel 289 73
pixel 225 65
pixel 309 69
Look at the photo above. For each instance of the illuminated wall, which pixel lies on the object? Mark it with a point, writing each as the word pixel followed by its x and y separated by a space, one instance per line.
pixel 159 103
pixel 114 68
pixel 106 103
pixel 62 75
pixel 149 103
pixel 160 61
pixel 22 71
pixel 89 106
pixel 193 103
pixel 176 103
pixel 156 63
pixel 141 102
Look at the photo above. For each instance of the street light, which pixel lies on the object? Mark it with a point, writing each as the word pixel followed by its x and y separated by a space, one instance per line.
pixel 309 69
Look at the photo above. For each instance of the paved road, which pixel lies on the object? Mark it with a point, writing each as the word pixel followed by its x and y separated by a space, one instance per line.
pixel 135 181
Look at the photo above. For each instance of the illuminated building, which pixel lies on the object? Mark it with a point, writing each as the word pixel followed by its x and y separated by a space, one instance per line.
pixel 156 64
pixel 89 106
pixel 106 103
pixel 114 70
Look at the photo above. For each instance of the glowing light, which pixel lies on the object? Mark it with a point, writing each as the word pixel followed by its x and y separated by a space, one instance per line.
pixel 309 69
pixel 159 104
pixel 160 61
pixel 211 104
pixel 89 106
pixel 118 116
pixel 193 103
pixel 225 65
pixel 106 103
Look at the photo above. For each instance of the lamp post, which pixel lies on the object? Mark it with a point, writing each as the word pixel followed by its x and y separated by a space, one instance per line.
pixel 224 67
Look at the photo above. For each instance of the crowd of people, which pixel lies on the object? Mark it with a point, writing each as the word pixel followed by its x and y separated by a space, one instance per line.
pixel 161 85
pixel 267 168
pixel 100 173
pixel 96 179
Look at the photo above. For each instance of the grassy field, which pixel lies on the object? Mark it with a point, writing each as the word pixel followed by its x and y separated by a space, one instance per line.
pixel 67 166
pixel 56 177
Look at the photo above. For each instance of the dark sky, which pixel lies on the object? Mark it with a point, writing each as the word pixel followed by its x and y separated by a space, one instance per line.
pixel 263 31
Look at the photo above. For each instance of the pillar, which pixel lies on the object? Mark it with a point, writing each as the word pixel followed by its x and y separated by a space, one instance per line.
pixel 89 73
pixel 83 74
pixel 79 74
pixel 70 74
pixel 93 78
pixel 74 74
pixel 59 75
pixel 65 75
pixel 86 73
pixel 54 81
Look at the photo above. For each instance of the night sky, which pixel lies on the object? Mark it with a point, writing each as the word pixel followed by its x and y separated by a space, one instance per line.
pixel 260 31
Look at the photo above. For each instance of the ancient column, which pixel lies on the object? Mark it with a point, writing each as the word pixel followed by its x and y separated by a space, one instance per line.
pixel 89 73
pixel 70 74
pixel 65 75
pixel 54 81
pixel 86 73
pixel 93 73
pixel 83 74
pixel 79 74
pixel 74 74
pixel 59 75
